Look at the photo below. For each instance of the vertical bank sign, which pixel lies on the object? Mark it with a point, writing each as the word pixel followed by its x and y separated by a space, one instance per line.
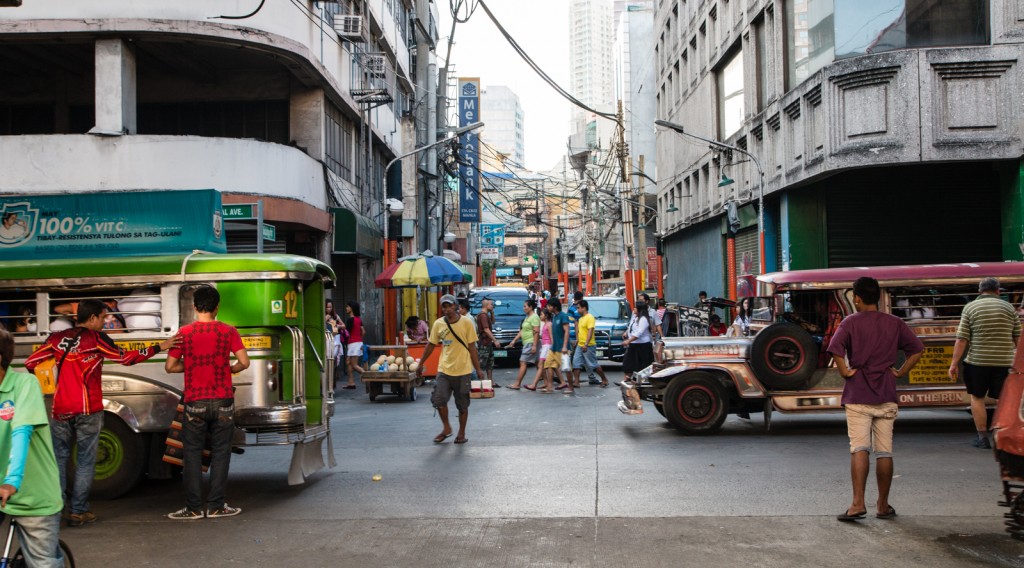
pixel 469 151
pixel 104 224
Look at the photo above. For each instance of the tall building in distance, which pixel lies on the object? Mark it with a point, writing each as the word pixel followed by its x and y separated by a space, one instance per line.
pixel 591 36
pixel 501 139
pixel 635 80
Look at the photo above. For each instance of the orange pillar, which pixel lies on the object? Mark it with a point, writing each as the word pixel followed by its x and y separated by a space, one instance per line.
pixel 390 297
pixel 627 278
pixel 730 271
pixel 658 278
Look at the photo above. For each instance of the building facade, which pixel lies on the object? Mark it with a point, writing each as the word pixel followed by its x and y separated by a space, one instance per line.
pixel 887 133
pixel 298 105
pixel 592 80
pixel 502 138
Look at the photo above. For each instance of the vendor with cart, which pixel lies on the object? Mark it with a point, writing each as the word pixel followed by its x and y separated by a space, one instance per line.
pixel 416 330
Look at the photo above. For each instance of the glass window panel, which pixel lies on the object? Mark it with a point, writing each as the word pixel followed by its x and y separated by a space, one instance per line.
pixel 810 39
pixel 730 95
pixel 952 22
pixel 869 26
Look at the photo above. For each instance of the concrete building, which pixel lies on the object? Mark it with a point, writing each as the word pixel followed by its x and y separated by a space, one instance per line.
pixel 502 137
pixel 636 80
pixel 592 79
pixel 888 133
pixel 297 104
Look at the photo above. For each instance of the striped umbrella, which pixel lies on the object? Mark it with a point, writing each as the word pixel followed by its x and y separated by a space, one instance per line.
pixel 423 269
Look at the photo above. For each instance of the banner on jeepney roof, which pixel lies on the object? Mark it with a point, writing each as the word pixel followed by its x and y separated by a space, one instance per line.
pixel 110 223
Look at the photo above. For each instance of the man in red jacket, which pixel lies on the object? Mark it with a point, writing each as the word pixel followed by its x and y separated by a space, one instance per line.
pixel 78 399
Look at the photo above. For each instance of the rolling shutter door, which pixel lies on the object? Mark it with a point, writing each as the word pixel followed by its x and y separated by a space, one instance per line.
pixel 914 215
pixel 747 261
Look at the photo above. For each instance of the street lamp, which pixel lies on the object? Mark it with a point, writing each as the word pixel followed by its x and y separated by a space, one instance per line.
pixel 455 134
pixel 726 181
pixel 449 237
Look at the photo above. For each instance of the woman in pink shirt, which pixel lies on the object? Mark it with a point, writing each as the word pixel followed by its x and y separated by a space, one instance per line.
pixel 354 324
pixel 545 348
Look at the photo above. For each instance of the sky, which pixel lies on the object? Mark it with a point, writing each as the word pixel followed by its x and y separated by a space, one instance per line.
pixel 541 27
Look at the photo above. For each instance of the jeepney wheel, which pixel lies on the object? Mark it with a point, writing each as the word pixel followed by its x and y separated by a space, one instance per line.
pixel 695 403
pixel 784 356
pixel 120 459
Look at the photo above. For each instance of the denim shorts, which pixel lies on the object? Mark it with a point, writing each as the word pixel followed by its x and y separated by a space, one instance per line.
pixel 588 359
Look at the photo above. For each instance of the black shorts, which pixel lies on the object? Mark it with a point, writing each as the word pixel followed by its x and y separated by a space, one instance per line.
pixel 984 381
pixel 638 357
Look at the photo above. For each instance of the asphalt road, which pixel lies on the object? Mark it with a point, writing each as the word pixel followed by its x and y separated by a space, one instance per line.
pixel 554 480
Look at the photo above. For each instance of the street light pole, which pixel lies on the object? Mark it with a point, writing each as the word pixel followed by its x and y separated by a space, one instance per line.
pixel 391 205
pixel 760 183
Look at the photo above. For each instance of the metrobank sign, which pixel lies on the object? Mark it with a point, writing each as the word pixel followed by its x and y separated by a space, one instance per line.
pixel 103 224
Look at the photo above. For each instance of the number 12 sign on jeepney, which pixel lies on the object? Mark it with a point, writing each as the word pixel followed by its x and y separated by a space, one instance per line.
pixel 103 224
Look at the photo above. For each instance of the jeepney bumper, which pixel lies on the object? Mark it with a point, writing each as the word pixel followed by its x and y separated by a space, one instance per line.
pixel 280 415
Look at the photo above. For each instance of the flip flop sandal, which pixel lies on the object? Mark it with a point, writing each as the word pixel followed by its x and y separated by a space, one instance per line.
pixel 441 437
pixel 461 440
pixel 846 517
pixel 513 388
pixel 890 514
pixel 529 388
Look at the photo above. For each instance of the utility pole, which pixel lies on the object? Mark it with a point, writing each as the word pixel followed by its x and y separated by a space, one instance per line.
pixel 641 236
pixel 626 169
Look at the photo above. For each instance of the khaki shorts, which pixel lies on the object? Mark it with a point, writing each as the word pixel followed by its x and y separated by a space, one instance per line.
pixel 870 427
pixel 553 360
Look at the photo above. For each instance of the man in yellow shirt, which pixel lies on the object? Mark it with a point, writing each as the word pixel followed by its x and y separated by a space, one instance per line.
pixel 586 352
pixel 458 338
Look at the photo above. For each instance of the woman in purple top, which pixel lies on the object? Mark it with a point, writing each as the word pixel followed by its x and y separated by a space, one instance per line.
pixel 865 348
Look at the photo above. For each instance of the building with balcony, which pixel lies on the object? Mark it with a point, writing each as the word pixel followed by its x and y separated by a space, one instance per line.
pixel 298 105
pixel 888 133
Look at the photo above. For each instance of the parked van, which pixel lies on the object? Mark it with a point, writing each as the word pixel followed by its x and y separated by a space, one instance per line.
pixel 784 366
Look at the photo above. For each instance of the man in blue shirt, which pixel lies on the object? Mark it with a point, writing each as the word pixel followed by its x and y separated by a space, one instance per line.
pixel 559 346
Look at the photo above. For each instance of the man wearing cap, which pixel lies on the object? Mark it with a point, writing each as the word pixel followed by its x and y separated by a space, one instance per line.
pixel 459 359
pixel 988 333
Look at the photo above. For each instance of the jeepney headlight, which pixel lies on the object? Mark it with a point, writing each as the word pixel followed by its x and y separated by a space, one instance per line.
pixel 272 368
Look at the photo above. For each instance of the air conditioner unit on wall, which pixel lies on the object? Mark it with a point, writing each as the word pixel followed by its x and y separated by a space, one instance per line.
pixel 348 26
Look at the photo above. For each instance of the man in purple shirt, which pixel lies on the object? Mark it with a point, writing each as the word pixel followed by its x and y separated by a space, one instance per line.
pixel 865 348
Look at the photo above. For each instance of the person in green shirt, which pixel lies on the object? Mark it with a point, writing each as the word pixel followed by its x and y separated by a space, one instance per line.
pixel 529 331
pixel 31 484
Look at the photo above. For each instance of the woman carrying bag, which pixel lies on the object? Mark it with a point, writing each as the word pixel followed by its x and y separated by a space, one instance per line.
pixel 637 339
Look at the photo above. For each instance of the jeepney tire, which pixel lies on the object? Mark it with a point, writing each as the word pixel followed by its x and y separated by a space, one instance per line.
pixel 120 459
pixel 696 403
pixel 784 356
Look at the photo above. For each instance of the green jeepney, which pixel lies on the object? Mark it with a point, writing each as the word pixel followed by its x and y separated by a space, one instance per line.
pixel 276 302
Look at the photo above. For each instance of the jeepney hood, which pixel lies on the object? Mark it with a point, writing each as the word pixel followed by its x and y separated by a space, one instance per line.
pixel 682 349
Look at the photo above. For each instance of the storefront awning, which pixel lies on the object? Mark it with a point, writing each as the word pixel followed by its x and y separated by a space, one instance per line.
pixel 355 234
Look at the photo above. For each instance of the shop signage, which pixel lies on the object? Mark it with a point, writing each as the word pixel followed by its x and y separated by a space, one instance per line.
pixel 469 151
pixel 104 224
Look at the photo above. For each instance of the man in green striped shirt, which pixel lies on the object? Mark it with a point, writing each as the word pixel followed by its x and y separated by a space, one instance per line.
pixel 988 333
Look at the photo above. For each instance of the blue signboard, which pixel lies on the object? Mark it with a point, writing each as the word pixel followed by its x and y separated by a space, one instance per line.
pixel 469 152
pixel 504 272
pixel 103 224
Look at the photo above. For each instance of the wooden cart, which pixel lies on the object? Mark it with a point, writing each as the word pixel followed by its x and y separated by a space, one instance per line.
pixel 401 383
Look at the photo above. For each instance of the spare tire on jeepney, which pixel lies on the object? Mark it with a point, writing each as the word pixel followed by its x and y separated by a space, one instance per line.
pixel 784 356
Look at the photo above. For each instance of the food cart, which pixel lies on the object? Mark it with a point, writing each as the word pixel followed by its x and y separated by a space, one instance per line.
pixel 401 383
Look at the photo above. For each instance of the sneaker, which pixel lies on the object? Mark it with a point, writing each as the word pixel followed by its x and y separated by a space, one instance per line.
pixel 79 519
pixel 981 443
pixel 185 514
pixel 225 511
